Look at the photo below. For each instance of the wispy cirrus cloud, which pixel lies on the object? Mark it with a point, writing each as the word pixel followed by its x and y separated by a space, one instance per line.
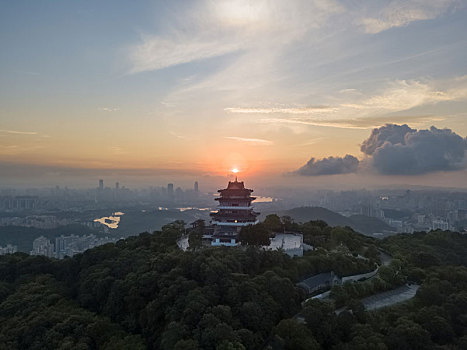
pixel 108 109
pixel 343 124
pixel 365 112
pixel 17 132
pixel 155 53
pixel 227 26
pixel 405 94
pixel 13 150
pixel 283 110
pixel 401 13
pixel 356 123
pixel 117 150
pixel 253 141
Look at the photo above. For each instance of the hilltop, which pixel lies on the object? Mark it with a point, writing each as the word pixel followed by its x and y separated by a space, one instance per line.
pixel 360 223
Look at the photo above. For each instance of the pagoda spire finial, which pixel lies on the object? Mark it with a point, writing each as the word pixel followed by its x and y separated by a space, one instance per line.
pixel 236 178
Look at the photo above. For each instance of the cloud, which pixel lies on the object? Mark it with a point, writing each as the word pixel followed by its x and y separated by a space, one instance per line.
pixel 354 123
pixel 401 13
pixel 117 150
pixel 260 142
pixel 343 124
pixel 391 133
pixel 16 132
pixel 394 103
pixel 108 109
pixel 401 150
pixel 155 53
pixel 217 28
pixel 329 166
pixel 406 94
pixel 284 110
pixel 349 91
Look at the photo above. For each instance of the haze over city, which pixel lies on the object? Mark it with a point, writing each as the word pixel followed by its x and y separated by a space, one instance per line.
pixel 182 91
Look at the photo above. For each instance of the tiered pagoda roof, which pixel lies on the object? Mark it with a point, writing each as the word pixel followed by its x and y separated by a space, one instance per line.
pixel 235 189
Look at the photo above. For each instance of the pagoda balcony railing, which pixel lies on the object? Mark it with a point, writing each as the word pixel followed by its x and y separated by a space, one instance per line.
pixel 223 223
pixel 242 215
pixel 230 207
pixel 247 197
pixel 233 220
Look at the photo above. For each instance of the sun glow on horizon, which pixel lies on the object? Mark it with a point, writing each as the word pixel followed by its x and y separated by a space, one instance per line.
pixel 235 170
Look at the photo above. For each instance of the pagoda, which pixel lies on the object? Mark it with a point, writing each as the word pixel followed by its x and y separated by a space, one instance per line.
pixel 233 212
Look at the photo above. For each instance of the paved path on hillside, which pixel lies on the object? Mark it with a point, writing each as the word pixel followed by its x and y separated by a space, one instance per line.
pixel 390 297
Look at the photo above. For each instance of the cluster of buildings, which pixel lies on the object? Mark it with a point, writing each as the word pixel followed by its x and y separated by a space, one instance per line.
pixel 8 249
pixel 411 211
pixel 36 221
pixel 103 196
pixel 426 222
pixel 420 209
pixel 169 194
pixel 406 211
pixel 67 245
pixel 18 203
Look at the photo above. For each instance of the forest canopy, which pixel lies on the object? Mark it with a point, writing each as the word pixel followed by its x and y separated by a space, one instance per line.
pixel 144 292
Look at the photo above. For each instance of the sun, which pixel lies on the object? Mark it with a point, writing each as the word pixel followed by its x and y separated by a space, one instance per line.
pixel 235 170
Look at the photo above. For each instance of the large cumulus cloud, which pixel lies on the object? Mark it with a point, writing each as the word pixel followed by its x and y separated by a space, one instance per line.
pixel 329 166
pixel 400 150
pixel 391 133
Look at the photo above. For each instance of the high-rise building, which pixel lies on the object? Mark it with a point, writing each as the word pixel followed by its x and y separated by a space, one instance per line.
pixel 8 249
pixel 234 212
pixel 101 184
pixel 440 224
pixel 195 187
pixel 42 246
pixel 117 186
pixel 170 190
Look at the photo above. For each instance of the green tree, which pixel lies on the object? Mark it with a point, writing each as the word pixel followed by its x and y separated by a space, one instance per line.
pixel 321 319
pixel 295 336
pixel 186 344
pixel 256 235
pixel 408 335
pixel 273 223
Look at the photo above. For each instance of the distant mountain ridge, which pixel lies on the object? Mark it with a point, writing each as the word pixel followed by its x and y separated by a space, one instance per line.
pixel 360 223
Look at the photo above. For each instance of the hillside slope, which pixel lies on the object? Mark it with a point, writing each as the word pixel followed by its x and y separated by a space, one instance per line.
pixel 364 224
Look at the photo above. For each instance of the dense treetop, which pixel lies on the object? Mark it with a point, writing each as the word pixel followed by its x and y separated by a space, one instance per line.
pixel 144 292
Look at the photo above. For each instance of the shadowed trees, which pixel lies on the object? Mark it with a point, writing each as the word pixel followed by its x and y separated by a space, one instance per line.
pixel 144 292
pixel 256 235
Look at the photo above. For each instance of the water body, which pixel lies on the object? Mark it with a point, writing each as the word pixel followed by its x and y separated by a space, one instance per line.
pixel 261 199
pixel 111 221
pixel 192 208
pixel 183 209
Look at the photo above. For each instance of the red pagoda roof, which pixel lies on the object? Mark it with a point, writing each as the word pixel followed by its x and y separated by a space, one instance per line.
pixel 236 185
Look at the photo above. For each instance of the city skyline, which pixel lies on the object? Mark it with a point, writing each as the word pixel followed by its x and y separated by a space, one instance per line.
pixel 172 92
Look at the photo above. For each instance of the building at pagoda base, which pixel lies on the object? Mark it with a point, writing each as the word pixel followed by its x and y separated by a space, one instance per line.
pixel 233 212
